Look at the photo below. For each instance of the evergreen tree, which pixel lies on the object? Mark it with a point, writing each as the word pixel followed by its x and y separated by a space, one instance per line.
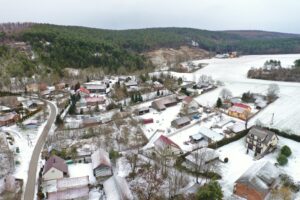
pixel 210 191
pixel 219 103
pixel 77 86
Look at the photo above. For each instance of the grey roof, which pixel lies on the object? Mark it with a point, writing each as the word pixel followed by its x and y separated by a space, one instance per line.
pixel 181 120
pixel 263 134
pixel 260 176
pixel 161 103
pixel 57 163
pixel 142 109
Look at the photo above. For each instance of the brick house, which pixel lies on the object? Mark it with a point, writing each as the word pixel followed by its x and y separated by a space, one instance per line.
pixel 9 118
pixel 257 182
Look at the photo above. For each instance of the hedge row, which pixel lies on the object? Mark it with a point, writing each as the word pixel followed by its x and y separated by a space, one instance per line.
pixel 285 135
pixel 29 115
pixel 6 93
pixel 226 141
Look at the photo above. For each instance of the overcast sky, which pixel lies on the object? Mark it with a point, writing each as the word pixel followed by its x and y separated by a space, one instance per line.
pixel 272 15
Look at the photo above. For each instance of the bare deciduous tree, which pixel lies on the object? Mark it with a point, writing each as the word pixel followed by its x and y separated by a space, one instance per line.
pixel 273 92
pixel 150 187
pixel 225 94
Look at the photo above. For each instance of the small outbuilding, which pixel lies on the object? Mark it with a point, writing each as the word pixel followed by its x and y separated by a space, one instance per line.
pixel 181 122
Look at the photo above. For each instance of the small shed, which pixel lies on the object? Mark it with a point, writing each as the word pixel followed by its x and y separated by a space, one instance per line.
pixel 101 164
pixel 181 122
pixel 143 110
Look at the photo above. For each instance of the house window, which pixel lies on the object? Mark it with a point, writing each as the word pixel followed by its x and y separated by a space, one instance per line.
pixel 258 150
pixel 250 146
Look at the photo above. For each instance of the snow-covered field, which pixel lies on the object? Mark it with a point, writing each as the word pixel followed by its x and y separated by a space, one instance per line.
pixel 239 162
pixel 233 72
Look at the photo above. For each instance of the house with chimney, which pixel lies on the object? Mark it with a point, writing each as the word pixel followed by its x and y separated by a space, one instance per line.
pixel 55 168
pixel 261 141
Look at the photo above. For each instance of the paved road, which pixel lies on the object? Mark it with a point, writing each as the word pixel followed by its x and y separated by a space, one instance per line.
pixel 31 180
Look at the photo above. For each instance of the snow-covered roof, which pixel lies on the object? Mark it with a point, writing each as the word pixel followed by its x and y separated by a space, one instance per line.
pixel 263 134
pixel 100 157
pixel 204 156
pixel 131 83
pixel 163 142
pixel 73 193
pixel 237 109
pixel 181 120
pixel 237 127
pixel 210 133
pixel 197 136
pixel 116 188
pixel 260 176
pixel 7 116
pixel 76 182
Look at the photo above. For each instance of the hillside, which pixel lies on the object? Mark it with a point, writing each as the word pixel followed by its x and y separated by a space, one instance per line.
pixel 255 34
pixel 119 51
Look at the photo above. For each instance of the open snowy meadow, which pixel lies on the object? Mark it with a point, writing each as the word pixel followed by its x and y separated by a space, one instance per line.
pixel 233 73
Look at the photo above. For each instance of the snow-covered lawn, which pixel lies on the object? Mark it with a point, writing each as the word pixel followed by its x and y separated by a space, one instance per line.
pixel 80 170
pixel 239 162
pixel 25 140
pixel 233 72
pixel 162 120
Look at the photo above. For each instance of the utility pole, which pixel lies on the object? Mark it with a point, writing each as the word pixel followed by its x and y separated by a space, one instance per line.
pixel 272 120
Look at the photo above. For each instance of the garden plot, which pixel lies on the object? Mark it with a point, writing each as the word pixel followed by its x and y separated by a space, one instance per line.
pixel 239 162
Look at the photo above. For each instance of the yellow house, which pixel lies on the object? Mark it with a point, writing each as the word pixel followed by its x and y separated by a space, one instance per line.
pixel 240 111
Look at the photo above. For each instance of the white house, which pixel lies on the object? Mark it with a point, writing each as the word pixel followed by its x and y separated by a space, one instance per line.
pixel 55 168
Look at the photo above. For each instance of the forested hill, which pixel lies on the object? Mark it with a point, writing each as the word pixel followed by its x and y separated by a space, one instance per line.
pixel 80 47
pixel 140 40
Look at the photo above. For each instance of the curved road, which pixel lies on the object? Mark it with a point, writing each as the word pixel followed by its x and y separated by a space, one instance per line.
pixel 31 179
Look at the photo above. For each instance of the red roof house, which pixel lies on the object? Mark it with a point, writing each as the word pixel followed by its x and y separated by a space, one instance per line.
pixel 242 106
pixel 165 143
pixel 83 90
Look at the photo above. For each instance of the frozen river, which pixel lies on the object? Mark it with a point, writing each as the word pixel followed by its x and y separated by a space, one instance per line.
pixel 233 72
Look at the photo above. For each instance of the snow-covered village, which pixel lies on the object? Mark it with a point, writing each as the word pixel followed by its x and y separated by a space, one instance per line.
pixel 159 135
pixel 149 100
